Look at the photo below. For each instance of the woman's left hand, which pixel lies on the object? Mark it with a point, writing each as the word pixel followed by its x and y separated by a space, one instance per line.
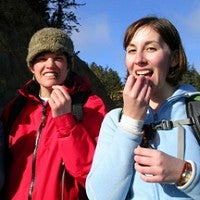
pixel 156 166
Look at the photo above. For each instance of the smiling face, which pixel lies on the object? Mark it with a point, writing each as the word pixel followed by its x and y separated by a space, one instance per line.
pixel 50 69
pixel 148 55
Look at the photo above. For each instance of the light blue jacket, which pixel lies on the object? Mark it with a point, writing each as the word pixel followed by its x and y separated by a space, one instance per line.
pixel 112 176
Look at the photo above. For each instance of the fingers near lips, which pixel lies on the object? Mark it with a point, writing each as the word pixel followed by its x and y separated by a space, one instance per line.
pixel 140 87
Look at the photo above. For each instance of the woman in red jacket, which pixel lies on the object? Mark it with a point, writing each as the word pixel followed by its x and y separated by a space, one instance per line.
pixel 50 149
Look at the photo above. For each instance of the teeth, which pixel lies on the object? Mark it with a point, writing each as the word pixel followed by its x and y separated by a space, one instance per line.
pixel 143 72
pixel 50 74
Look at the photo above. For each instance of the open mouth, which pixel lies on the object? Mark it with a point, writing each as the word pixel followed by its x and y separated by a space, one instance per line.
pixel 146 73
pixel 51 75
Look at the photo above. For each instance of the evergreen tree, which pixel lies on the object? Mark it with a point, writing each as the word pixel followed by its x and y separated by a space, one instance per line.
pixel 110 80
pixel 192 77
pixel 57 13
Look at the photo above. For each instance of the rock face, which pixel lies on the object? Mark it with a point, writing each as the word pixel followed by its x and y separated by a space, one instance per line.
pixel 17 24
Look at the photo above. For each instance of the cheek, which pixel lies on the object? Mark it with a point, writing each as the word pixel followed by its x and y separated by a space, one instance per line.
pixel 129 63
pixel 36 68
pixel 64 72
pixel 161 62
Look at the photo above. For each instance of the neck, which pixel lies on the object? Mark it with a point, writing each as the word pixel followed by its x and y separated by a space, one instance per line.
pixel 158 97
pixel 44 93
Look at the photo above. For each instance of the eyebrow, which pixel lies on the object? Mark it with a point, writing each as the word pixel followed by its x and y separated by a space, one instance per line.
pixel 146 43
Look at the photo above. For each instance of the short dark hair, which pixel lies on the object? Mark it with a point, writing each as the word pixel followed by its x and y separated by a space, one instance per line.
pixel 170 35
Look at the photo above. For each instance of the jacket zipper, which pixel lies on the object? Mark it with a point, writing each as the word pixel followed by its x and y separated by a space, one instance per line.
pixel 42 124
pixel 63 181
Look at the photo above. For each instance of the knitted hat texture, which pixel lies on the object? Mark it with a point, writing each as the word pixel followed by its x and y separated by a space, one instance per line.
pixel 49 40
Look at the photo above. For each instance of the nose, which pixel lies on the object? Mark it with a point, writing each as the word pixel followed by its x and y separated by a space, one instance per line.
pixel 50 63
pixel 140 58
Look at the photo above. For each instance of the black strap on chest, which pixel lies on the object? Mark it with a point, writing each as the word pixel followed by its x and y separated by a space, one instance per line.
pixel 78 100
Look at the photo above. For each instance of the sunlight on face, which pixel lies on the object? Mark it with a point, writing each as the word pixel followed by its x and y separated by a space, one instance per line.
pixel 50 69
pixel 148 55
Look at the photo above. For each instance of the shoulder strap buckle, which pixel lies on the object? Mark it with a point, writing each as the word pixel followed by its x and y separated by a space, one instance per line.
pixel 164 125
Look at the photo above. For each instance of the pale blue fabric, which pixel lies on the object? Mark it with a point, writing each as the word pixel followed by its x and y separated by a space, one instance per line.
pixel 112 176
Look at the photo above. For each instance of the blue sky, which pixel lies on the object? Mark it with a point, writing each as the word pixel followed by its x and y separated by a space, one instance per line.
pixel 103 23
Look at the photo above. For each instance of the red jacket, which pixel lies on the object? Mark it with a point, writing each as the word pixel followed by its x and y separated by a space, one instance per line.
pixel 56 155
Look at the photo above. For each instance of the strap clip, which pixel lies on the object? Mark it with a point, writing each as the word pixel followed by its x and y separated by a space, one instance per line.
pixel 164 125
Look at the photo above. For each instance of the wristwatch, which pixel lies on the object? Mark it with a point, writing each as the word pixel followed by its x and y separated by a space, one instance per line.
pixel 185 175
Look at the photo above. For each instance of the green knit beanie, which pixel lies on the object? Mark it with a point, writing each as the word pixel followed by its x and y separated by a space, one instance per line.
pixel 49 40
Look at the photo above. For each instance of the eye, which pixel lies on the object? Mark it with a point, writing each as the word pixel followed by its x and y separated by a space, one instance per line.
pixel 131 50
pixel 151 49
pixel 59 58
pixel 40 59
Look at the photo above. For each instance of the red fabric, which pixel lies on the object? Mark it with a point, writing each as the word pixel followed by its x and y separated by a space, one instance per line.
pixel 62 140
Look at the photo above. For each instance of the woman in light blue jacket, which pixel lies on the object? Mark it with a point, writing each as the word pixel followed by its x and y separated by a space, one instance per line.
pixel 146 150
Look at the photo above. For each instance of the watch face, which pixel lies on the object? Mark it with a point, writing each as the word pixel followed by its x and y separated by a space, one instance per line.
pixel 186 174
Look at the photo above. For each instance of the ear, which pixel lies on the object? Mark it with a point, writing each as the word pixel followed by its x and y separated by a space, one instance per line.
pixel 174 58
pixel 32 69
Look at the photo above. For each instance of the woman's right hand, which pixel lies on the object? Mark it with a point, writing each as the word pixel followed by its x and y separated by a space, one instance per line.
pixel 60 101
pixel 136 96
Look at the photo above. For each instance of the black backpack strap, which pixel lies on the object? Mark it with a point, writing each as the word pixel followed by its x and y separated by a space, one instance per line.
pixel 193 112
pixel 16 107
pixel 78 100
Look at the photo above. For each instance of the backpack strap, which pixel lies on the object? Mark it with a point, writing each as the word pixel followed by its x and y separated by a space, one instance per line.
pixel 193 120
pixel 16 108
pixel 193 112
pixel 168 125
pixel 78 100
pixel 181 135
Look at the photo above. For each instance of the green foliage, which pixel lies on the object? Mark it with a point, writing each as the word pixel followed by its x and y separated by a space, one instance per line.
pixel 114 86
pixel 111 81
pixel 62 15
pixel 57 13
pixel 192 77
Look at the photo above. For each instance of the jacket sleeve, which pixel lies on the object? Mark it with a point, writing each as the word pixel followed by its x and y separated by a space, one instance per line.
pixel 192 153
pixel 2 152
pixel 77 140
pixel 111 173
